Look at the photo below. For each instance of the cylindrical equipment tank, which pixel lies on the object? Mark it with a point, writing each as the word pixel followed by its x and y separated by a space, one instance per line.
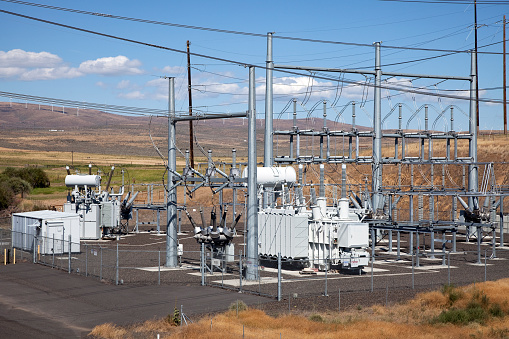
pixel 82 180
pixel 271 176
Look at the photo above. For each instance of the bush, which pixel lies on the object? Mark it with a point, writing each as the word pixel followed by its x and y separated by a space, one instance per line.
pixel 316 318
pixel 7 196
pixel 477 310
pixel 462 316
pixel 34 176
pixel 238 305
pixel 496 311
pixel 174 318
pixel 452 293
pixel 19 181
pixel 18 185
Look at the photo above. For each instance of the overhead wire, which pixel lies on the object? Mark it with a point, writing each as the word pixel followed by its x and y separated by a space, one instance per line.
pixel 240 63
pixel 137 111
pixel 218 30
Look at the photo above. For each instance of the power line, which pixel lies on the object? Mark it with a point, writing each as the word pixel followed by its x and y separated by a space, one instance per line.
pixel 240 63
pixel 218 30
pixel 137 111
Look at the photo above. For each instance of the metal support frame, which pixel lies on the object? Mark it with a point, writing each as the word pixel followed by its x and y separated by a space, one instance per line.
pixel 252 206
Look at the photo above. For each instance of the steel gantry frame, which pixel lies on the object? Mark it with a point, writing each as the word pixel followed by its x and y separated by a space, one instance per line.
pixel 190 176
pixel 379 193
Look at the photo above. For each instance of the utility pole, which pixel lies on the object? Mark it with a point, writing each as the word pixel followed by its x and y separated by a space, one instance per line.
pixel 505 90
pixel 191 148
pixel 476 68
pixel 171 198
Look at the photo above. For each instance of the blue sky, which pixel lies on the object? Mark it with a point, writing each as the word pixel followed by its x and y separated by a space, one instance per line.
pixel 44 60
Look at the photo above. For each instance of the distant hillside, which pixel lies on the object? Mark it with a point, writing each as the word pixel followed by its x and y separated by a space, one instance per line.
pixel 29 116
pixel 44 128
pixel 58 117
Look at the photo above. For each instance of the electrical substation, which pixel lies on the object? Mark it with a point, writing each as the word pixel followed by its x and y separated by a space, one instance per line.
pixel 325 200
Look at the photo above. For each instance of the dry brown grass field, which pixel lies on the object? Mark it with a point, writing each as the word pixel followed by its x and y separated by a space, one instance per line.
pixel 474 311
pixel 33 135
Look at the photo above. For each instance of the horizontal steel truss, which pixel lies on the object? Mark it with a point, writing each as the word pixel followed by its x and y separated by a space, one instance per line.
pixel 352 153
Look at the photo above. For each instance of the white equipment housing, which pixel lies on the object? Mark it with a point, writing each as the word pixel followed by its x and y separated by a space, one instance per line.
pixel 83 180
pixel 98 211
pixel 320 237
pixel 51 228
pixel 273 176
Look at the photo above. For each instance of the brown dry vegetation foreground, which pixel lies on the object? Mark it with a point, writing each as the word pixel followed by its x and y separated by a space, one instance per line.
pixel 475 311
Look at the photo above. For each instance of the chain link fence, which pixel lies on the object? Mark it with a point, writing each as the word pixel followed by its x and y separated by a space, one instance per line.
pixel 113 263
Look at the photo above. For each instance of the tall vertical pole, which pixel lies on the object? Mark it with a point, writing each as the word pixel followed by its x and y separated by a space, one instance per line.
pixel 252 206
pixel 191 146
pixel 473 129
pixel 504 90
pixel 268 144
pixel 171 201
pixel 476 69
pixel 377 138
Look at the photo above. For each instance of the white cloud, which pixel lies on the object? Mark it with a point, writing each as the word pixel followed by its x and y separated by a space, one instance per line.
pixel 133 95
pixel 50 73
pixel 124 84
pixel 7 72
pixel 21 58
pixel 119 65
pixel 172 70
pixel 30 66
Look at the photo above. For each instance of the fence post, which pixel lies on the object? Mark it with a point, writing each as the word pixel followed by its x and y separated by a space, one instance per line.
pixel 53 250
pixel 35 250
pixel 339 299
pixel 326 269
pixel 485 265
pixel 101 269
pixel 279 276
pixel 202 264
pixel 86 260
pixel 413 278
pixel 449 268
pixel 116 277
pixel 386 293
pixel 240 271
pixel 69 248
pixel 372 259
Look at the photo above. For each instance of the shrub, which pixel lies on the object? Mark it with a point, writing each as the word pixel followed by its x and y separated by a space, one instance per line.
pixel 452 293
pixel 316 318
pixel 7 196
pixel 496 311
pixel 238 305
pixel 174 318
pixel 19 181
pixel 462 316
pixel 18 185
pixel 34 176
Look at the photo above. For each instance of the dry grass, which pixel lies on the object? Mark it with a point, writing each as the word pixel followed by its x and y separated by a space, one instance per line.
pixel 416 318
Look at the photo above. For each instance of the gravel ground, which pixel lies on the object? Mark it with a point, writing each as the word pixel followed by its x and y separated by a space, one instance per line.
pixel 142 258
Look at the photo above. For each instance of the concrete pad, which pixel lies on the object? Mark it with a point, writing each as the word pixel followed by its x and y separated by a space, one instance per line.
pixel 165 269
pixel 432 267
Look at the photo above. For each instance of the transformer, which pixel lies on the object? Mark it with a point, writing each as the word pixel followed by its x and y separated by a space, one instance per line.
pixel 99 211
pixel 320 237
